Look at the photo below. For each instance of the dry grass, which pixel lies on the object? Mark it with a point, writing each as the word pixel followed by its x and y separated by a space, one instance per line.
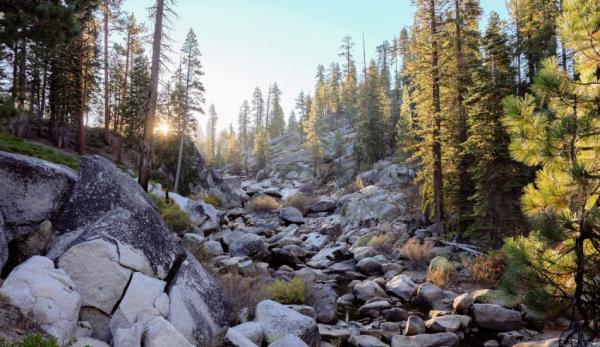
pixel 382 243
pixel 264 203
pixel 242 291
pixel 488 268
pixel 441 275
pixel 417 253
pixel 299 201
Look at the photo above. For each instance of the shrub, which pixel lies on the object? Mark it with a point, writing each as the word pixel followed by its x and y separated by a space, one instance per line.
pixel 298 201
pixel 440 271
pixel 9 143
pixel 358 184
pixel 382 243
pixel 213 200
pixel 417 253
pixel 242 291
pixel 35 340
pixel 488 268
pixel 176 219
pixel 292 292
pixel 264 203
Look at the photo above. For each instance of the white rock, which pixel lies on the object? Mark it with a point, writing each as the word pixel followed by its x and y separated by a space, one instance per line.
pixel 402 286
pixel 238 340
pixel 278 320
pixel 131 337
pixel 289 341
pixel 140 296
pixel 45 293
pixel 251 330
pixel 162 304
pixel 88 342
pixel 160 333
pixel 95 269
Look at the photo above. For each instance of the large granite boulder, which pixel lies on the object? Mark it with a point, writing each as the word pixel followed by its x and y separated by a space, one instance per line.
pixel 33 190
pixel 160 333
pixel 198 308
pixel 370 206
pixel 245 244
pixel 134 225
pixel 291 214
pixel 3 243
pixel 278 320
pixel 202 214
pixel 402 286
pixel 46 294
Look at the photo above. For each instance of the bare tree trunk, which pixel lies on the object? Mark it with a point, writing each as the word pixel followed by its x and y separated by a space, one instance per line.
pixel 437 121
pixel 177 174
pixel 106 84
pixel 146 155
pixel 42 104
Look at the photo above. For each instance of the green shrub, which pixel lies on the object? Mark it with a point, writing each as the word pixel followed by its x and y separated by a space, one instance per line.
pixel 8 111
pixel 35 340
pixel 293 292
pixel 177 220
pixel 9 143
pixel 213 200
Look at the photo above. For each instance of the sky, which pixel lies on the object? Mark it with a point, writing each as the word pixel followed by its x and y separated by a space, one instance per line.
pixel 250 43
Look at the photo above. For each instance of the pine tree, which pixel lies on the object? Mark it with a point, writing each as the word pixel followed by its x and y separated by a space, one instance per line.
pixel 558 132
pixel 373 117
pixel 276 126
pixel 383 62
pixel 211 134
pixel 333 89
pixel 303 115
pixel 292 122
pixel 244 130
pixel 495 175
pixel 349 84
pixel 258 109
pixel 193 96
pixel 261 149
pixel 312 128
pixel 132 108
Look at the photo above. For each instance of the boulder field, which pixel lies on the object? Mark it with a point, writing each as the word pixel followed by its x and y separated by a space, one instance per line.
pixel 87 258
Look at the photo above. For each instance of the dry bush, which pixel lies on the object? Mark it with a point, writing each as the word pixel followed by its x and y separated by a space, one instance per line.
pixel 264 203
pixel 382 243
pixel 488 268
pixel 297 200
pixel 441 275
pixel 242 291
pixel 417 253
pixel 212 200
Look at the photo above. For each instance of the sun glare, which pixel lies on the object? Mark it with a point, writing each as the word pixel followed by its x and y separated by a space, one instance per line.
pixel 162 128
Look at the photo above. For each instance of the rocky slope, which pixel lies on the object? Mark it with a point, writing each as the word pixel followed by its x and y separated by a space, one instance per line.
pixel 93 261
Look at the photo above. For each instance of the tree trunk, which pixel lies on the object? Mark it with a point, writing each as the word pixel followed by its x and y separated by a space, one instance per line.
pixel 183 123
pixel 146 155
pixel 106 87
pixel 178 173
pixel 42 104
pixel 81 108
pixel 437 121
pixel 123 97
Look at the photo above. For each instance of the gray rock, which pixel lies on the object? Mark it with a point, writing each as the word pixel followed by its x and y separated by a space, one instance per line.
pixel 291 214
pixel 462 303
pixel 395 314
pixel 304 309
pixel 33 190
pixel 389 329
pixel 448 323
pixel 510 338
pixel 245 244
pixel 88 342
pixel 161 304
pixel 323 204
pixel 430 293
pixel 402 286
pixel 129 337
pixel 160 333
pixel 37 241
pixel 140 296
pixel 366 341
pixel 213 248
pixel 3 243
pixel 426 340
pixel 198 309
pixel 315 242
pixel 324 302
pixel 278 320
pixel 289 341
pixel 373 309
pixel 99 322
pixel 370 206
pixel 366 290
pixel 122 213
pixel 491 343
pixel 194 243
pixel 250 330
pixel 495 317
pixel 543 343
pixel 202 214
pixel 414 326
pixel 369 266
pixel 334 334
pixel 46 294
pixel 235 339
pixel 94 268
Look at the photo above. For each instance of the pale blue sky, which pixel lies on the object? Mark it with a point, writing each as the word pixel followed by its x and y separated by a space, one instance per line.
pixel 249 43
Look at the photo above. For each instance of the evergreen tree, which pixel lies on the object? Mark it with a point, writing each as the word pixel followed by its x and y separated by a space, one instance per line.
pixel 303 115
pixel 244 130
pixel 261 149
pixel 292 123
pixel 193 96
pixel 558 132
pixel 312 128
pixel 276 126
pixel 333 89
pixel 495 175
pixel 258 109
pixel 373 117
pixel 211 135
pixel 349 84
pixel 133 105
